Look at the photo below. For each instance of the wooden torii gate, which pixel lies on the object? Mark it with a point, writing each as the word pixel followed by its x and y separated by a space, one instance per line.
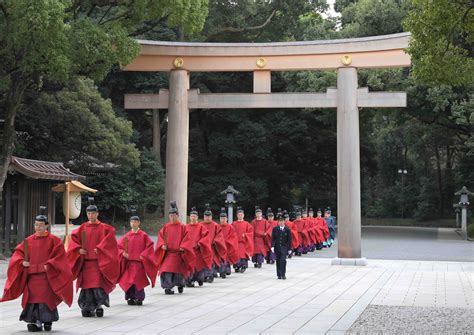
pixel 345 55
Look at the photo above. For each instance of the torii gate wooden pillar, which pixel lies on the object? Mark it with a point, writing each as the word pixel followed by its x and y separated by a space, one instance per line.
pixel 346 56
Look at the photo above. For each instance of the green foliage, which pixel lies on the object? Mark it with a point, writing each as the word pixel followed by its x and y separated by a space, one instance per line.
pixel 76 125
pixel 426 209
pixel 470 230
pixel 126 186
pixel 373 17
pixel 442 41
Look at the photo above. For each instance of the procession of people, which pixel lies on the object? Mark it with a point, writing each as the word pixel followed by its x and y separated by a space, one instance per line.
pixel 43 272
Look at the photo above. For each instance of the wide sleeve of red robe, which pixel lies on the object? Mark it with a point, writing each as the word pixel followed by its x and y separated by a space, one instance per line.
pixel 58 282
pixel 244 232
pixel 268 240
pixel 175 237
pixel 231 242
pixel 260 228
pixel 106 255
pixel 219 246
pixel 249 240
pixel 295 242
pixel 201 244
pixel 301 226
pixel 141 261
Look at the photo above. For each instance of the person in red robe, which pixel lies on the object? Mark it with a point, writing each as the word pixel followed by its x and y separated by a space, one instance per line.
pixel 138 267
pixel 301 227
pixel 93 258
pixel 175 253
pixel 202 249
pixel 244 232
pixel 314 230
pixel 40 271
pixel 260 228
pixel 272 223
pixel 219 249
pixel 231 242
pixel 295 242
pixel 322 228
pixel 309 230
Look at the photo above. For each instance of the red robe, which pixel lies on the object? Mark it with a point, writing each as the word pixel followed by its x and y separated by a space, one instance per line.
pixel 141 262
pixel 219 249
pixel 99 269
pixel 302 228
pixel 49 286
pixel 311 230
pixel 231 243
pixel 322 228
pixel 175 237
pixel 295 242
pixel 271 224
pixel 244 232
pixel 260 228
pixel 201 244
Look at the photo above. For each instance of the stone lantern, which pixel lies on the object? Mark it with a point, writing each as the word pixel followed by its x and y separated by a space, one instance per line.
pixel 230 193
pixel 464 194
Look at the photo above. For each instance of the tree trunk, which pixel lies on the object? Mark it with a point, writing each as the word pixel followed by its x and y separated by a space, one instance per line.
pixel 440 182
pixel 12 104
pixel 157 135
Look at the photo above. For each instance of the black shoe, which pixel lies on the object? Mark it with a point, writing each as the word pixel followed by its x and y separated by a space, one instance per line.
pixel 34 328
pixel 130 302
pixel 283 277
pixel 237 270
pixel 223 275
pixel 210 279
pixel 200 283
pixel 255 265
pixel 87 314
pixel 180 289
pixel 228 273
pixel 216 275
pixel 190 285
pixel 138 302
pixel 272 262
pixel 48 326
pixel 99 312
pixel 242 270
pixel 279 277
pixel 169 291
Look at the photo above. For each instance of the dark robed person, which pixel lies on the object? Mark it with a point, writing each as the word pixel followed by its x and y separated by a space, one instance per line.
pixel 281 245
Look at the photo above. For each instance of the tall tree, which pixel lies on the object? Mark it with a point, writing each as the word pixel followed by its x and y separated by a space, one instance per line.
pixel 442 44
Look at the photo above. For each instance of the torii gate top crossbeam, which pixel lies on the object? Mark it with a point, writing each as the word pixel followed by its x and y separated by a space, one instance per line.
pixel 366 52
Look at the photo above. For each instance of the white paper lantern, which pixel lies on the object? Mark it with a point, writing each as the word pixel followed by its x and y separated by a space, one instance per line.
pixel 74 205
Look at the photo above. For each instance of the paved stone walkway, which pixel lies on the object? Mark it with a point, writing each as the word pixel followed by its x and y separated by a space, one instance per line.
pixel 317 298
pixel 411 243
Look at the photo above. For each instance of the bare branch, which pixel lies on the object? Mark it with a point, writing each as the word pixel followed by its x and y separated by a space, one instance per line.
pixel 242 29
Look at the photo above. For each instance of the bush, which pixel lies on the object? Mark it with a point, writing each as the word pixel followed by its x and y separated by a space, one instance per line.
pixel 470 230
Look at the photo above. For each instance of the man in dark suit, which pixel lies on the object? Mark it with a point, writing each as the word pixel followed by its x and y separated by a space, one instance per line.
pixel 281 246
